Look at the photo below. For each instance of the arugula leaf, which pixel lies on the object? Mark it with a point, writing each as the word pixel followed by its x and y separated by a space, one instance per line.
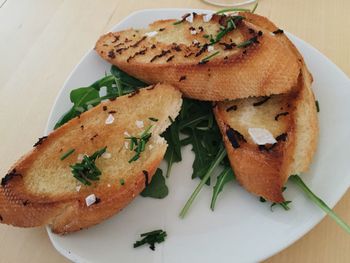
pixel 225 176
pixel 157 187
pixel 214 164
pixel 173 153
pixel 317 201
pixel 118 83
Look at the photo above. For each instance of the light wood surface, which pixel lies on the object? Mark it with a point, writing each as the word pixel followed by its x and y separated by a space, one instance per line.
pixel 40 43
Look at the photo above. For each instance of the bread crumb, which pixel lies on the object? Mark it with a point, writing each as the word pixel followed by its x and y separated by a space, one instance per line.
pixel 106 155
pixel 110 119
pixel 108 185
pixel 261 136
pixel 90 199
pixel 139 124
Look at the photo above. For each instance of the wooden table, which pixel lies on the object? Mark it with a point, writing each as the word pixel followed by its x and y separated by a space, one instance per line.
pixel 42 41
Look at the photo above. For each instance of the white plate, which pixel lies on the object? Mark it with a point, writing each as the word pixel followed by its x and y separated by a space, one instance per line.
pixel 241 229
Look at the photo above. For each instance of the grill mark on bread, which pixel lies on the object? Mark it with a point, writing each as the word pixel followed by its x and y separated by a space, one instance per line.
pixel 228 46
pixel 278 31
pixel 182 78
pixel 111 54
pixel 138 53
pixel 261 102
pixel 40 141
pixel 138 42
pixel 8 177
pixel 162 54
pixel 203 49
pixel 170 58
pixel 281 114
pixel 234 137
pixel 232 108
pixel 116 38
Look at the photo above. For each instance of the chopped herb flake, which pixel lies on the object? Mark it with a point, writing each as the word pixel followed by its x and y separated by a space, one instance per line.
pixel 66 154
pixel 153 119
pixel 87 170
pixel 151 238
pixel 206 59
pixel 121 181
pixel 138 144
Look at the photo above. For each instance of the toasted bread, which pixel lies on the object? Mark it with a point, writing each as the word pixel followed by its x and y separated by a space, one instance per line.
pixel 291 118
pixel 40 188
pixel 176 54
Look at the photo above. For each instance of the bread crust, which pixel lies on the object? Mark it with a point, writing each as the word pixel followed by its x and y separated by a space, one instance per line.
pixel 38 191
pixel 228 75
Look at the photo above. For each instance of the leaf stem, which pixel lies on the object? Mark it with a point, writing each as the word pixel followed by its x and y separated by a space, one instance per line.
pixel 219 157
pixel 299 182
pixel 232 10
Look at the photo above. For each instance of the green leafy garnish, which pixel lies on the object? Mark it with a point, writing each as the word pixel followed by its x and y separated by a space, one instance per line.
pixel 284 204
pixel 219 157
pixel 255 7
pixel 121 181
pixel 173 153
pixel 138 144
pixel 66 154
pixel 226 10
pixel 151 238
pixel 153 119
pixel 317 105
pixel 157 187
pixel 206 59
pixel 316 200
pixel 118 83
pixel 222 11
pixel 87 170
pixel 225 176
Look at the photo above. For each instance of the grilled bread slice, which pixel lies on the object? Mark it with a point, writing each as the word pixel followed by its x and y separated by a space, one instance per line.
pixel 291 118
pixel 246 61
pixel 40 188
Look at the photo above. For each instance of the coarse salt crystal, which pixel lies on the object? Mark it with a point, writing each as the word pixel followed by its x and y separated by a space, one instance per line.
pixel 126 144
pixel 195 41
pixel 193 32
pixel 108 185
pixel 151 34
pixel 80 157
pixel 210 48
pixel 207 17
pixel 110 119
pixel 190 18
pixel 261 136
pixel 139 124
pixel 126 134
pixel 78 188
pixel 90 199
pixel 106 155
